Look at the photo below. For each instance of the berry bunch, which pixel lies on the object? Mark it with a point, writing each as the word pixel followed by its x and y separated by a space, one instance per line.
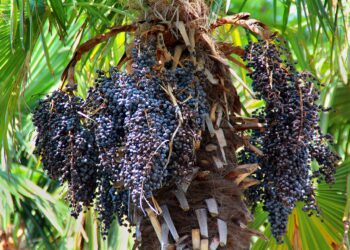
pixel 134 134
pixel 67 147
pixel 292 136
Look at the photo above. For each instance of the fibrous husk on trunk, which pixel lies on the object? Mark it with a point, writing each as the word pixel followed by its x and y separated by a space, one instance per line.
pixel 210 183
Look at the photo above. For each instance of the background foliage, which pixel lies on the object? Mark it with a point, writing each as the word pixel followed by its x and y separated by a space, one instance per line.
pixel 38 38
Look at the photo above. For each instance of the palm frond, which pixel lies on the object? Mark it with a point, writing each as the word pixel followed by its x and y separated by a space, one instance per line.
pixel 22 196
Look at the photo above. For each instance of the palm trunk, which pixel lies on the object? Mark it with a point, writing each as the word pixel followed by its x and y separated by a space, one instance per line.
pixel 213 206
pixel 205 210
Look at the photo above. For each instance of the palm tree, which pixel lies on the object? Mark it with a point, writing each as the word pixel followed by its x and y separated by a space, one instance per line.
pixel 38 39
